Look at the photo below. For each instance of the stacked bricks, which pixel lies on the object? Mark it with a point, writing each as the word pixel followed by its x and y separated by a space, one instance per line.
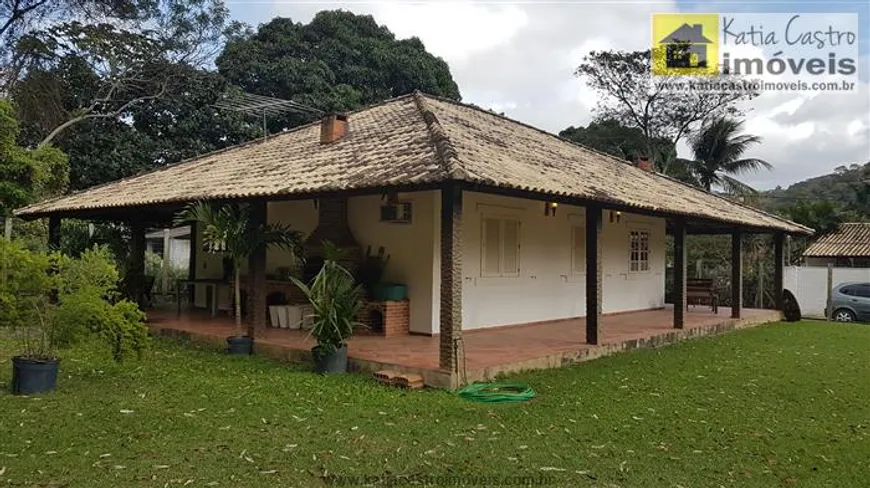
pixel 392 378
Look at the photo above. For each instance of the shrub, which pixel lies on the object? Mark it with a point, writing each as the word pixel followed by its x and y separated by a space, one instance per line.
pixel 24 288
pixel 87 304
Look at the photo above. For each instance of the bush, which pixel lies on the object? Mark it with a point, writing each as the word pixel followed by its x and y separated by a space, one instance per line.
pixel 24 288
pixel 87 303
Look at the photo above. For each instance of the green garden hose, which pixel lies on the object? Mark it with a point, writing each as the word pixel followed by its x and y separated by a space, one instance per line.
pixel 498 392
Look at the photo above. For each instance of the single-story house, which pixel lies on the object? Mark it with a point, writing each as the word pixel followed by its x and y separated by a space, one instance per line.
pixel 489 222
pixel 846 247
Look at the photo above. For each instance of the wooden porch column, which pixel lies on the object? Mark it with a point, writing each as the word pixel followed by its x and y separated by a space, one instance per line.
pixel 53 233
pixel 451 277
pixel 736 273
pixel 679 274
pixel 778 240
pixel 593 273
pixel 257 275
pixel 136 271
pixel 191 262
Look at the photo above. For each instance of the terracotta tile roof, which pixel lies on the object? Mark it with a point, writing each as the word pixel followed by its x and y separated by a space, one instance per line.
pixel 850 240
pixel 414 139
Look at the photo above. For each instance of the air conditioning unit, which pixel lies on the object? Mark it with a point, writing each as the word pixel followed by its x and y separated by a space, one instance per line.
pixel 396 213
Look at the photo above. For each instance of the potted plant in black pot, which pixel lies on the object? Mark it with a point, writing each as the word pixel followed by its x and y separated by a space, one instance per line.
pixel 230 229
pixel 35 369
pixel 336 299
pixel 52 301
pixel 24 289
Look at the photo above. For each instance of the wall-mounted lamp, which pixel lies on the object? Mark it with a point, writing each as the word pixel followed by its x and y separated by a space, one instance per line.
pixel 550 209
pixel 615 217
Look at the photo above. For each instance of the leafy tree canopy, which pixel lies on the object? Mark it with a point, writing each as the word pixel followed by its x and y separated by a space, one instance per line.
pixel 339 61
pixel 119 58
pixel 154 132
pixel 631 96
pixel 26 175
pixel 611 137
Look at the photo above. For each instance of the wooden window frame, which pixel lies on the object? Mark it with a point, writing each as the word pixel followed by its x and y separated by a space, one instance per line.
pixel 644 236
pixel 501 218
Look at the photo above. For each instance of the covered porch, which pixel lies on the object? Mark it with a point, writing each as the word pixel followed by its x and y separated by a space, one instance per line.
pixel 487 352
pixel 490 223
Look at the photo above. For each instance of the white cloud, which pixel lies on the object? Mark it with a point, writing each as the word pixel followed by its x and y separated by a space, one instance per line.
pixel 453 30
pixel 519 59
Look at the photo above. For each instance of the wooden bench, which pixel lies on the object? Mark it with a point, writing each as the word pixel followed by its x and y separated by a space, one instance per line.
pixel 701 291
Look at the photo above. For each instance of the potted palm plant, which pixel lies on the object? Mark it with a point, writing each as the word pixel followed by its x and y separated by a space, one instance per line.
pixel 229 229
pixel 336 299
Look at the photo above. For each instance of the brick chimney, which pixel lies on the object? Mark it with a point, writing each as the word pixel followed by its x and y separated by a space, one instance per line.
pixel 645 164
pixel 333 127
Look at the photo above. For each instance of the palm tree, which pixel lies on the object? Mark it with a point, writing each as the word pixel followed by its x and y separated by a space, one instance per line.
pixel 717 149
pixel 229 229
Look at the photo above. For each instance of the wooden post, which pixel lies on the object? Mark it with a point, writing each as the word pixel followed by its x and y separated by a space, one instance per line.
pixel 53 233
pixel 736 273
pixel 829 314
pixel 167 258
pixel 679 274
pixel 191 262
pixel 593 274
pixel 759 294
pixel 7 228
pixel 257 312
pixel 451 278
pixel 136 270
pixel 778 247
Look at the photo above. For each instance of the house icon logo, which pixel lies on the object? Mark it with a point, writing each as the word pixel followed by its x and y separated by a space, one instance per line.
pixel 685 44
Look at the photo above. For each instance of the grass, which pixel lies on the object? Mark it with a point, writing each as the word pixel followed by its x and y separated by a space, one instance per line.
pixel 779 405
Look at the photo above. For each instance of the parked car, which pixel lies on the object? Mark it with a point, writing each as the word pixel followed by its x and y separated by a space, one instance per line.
pixel 851 302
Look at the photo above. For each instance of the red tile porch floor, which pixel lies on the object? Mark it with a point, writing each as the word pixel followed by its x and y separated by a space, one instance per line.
pixel 488 352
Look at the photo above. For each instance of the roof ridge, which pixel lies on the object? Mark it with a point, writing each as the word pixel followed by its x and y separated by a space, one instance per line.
pixel 444 149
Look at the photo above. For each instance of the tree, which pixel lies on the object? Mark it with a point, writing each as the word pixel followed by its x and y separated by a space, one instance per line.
pixel 717 149
pixel 631 96
pixel 19 17
pixel 821 216
pixel 339 61
pixel 230 229
pixel 156 132
pixel 130 59
pixel 609 136
pixel 26 175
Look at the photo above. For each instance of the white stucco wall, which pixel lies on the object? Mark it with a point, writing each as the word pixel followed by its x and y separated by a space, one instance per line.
pixel 411 248
pixel 546 289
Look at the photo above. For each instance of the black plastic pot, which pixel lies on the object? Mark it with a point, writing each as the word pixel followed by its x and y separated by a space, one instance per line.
pixel 33 375
pixel 240 345
pixel 327 363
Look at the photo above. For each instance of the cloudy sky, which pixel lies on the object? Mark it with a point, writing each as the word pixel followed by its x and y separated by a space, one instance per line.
pixel 519 57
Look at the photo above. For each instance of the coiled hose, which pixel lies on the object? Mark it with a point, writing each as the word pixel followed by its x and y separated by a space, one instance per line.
pixel 498 392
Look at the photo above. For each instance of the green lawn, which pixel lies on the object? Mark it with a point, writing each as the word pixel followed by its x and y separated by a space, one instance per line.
pixel 779 405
